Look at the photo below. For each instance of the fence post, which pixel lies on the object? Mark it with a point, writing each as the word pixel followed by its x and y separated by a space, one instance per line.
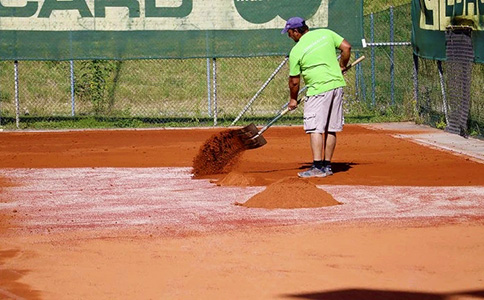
pixel 266 83
pixel 73 101
pixel 442 88
pixel 17 103
pixel 362 81
pixel 392 54
pixel 357 82
pixel 209 88
pixel 214 62
pixel 372 38
pixel 415 83
pixel 0 112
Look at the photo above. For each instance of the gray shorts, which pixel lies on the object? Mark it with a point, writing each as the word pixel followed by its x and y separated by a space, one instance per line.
pixel 324 112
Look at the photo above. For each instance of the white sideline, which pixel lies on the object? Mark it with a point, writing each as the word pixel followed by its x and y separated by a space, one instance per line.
pixel 168 199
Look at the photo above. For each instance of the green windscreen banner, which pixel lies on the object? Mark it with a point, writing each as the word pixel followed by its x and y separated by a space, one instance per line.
pixel 135 29
pixel 432 18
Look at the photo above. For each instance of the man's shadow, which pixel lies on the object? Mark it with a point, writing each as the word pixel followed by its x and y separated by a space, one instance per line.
pixel 335 166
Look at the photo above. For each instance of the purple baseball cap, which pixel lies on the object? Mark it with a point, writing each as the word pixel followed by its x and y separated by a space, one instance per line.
pixel 294 22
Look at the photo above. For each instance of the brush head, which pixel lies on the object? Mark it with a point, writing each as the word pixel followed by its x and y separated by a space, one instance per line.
pixel 250 137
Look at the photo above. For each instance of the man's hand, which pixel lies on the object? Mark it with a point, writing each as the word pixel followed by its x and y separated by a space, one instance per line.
pixel 293 91
pixel 292 104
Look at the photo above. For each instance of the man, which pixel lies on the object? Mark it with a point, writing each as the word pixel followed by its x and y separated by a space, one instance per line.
pixel 314 57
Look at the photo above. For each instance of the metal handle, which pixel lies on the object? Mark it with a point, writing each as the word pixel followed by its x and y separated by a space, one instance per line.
pixel 286 110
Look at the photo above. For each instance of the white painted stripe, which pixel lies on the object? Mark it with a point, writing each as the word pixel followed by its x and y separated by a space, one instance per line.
pixel 168 199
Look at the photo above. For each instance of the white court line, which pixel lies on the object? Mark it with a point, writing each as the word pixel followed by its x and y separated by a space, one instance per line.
pixel 427 141
pixel 168 199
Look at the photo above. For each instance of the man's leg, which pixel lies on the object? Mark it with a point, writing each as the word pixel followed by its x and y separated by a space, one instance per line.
pixel 329 146
pixel 335 124
pixel 315 116
pixel 317 146
pixel 316 170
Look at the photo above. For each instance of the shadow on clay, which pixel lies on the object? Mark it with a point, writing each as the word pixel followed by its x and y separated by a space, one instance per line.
pixel 10 287
pixel 367 294
pixel 336 166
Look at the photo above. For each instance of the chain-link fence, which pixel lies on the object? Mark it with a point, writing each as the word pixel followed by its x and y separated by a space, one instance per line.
pixel 433 102
pixel 207 92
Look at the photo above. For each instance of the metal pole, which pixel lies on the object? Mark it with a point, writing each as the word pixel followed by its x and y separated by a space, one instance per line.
pixel 372 38
pixel 362 83
pixel 415 82
pixel 209 92
pixel 388 44
pixel 357 76
pixel 0 113
pixel 392 54
pixel 73 100
pixel 214 62
pixel 442 88
pixel 246 108
pixel 17 103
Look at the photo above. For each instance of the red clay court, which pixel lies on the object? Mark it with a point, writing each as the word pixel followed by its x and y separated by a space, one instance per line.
pixel 116 214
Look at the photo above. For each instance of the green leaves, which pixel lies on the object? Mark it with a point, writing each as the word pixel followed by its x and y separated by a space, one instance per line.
pixel 94 81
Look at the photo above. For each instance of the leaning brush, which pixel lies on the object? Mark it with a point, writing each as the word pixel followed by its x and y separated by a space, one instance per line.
pixel 252 138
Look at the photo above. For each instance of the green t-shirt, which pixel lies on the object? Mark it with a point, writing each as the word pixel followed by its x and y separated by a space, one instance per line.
pixel 314 57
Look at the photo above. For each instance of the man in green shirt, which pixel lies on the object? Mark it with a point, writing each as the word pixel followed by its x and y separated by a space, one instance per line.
pixel 314 57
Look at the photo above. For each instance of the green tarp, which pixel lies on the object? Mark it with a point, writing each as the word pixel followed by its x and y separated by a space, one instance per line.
pixel 431 18
pixel 137 29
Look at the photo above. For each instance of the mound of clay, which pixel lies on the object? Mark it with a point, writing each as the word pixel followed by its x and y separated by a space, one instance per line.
pixel 218 154
pixel 291 192
pixel 235 178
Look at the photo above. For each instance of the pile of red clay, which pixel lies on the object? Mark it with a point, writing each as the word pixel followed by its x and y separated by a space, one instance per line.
pixel 291 192
pixel 218 154
pixel 235 178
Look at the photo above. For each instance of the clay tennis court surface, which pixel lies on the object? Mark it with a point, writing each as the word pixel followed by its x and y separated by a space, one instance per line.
pixel 117 215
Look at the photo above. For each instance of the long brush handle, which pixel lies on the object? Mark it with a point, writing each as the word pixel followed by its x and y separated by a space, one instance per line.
pixel 285 111
pixel 354 63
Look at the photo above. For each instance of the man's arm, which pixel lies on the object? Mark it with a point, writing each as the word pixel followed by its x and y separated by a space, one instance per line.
pixel 345 48
pixel 294 82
